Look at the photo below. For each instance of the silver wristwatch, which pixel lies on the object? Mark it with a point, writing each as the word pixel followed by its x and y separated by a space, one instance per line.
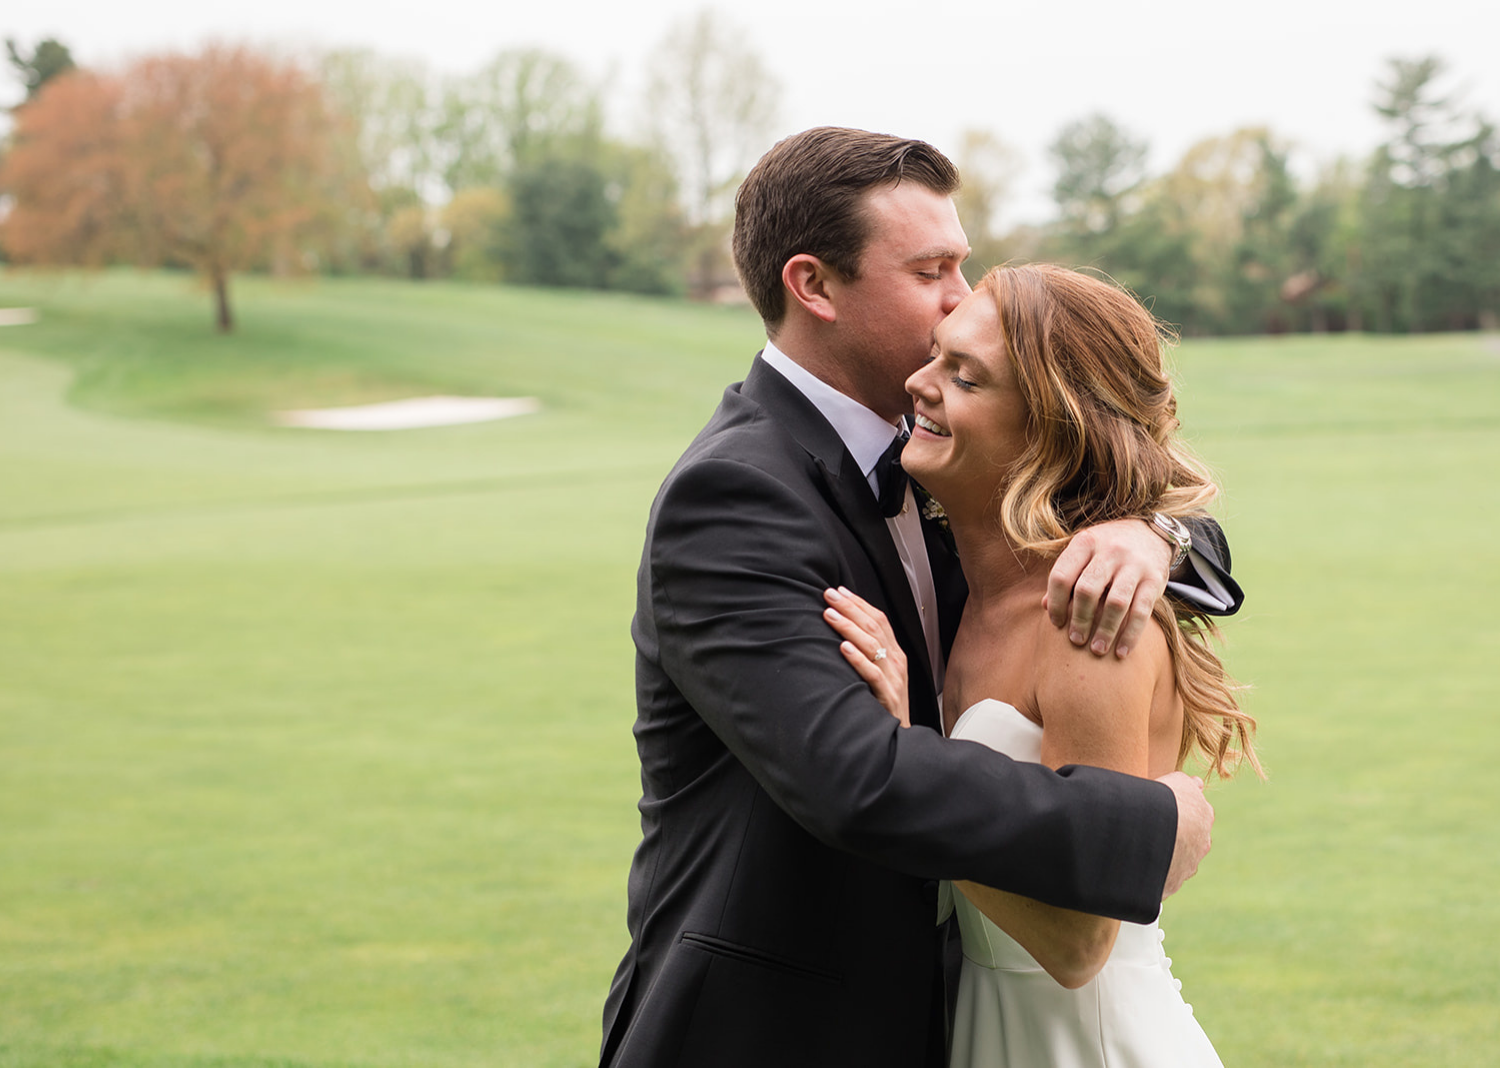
pixel 1174 534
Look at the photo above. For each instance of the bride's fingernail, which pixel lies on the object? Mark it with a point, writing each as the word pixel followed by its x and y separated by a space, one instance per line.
pixel 832 613
pixel 845 591
pixel 832 594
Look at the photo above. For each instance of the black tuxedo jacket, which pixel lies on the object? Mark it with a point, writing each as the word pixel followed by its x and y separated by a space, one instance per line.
pixel 782 902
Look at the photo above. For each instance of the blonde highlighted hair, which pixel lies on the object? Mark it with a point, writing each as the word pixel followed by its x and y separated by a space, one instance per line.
pixel 1101 445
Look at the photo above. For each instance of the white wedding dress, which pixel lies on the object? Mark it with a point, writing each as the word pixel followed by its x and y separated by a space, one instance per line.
pixel 1012 1014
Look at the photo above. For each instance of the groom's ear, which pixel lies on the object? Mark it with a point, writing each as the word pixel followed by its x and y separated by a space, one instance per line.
pixel 807 282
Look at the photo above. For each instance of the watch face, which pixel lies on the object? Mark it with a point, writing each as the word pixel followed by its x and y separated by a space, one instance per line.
pixel 1173 529
pixel 1175 535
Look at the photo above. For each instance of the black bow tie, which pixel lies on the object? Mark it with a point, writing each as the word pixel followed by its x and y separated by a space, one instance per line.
pixel 890 478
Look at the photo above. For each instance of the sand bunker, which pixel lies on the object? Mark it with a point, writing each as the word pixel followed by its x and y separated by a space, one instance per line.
pixel 17 316
pixel 411 414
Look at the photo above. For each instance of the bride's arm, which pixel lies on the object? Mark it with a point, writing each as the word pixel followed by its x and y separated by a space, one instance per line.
pixel 1094 710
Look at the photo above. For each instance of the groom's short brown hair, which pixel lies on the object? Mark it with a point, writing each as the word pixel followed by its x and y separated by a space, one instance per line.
pixel 806 196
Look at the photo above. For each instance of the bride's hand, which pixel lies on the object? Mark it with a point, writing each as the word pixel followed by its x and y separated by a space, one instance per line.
pixel 870 645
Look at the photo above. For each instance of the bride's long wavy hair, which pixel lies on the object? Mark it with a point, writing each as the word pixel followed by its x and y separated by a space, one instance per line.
pixel 1102 444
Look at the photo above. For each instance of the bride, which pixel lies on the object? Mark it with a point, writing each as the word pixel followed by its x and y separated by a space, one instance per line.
pixel 1044 409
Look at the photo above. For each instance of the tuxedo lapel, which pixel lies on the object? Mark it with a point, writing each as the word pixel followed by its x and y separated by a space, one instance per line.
pixel 857 505
pixel 947 580
pixel 850 496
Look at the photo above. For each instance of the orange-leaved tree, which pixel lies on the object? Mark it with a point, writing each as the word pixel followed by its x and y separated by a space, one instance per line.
pixel 65 173
pixel 222 161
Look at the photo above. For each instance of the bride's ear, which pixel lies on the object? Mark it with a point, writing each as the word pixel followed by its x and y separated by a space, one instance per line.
pixel 807 280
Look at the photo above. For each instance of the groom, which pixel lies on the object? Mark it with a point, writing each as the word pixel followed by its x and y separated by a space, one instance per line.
pixel 782 902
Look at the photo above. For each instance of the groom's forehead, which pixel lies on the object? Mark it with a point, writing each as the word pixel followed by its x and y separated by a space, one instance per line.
pixel 920 218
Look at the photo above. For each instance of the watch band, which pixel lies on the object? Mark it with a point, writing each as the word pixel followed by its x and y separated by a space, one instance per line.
pixel 1174 534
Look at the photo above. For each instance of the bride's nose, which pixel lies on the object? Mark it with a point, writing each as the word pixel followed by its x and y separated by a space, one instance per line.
pixel 921 384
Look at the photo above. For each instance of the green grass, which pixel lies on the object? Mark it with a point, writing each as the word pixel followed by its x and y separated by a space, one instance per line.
pixel 315 748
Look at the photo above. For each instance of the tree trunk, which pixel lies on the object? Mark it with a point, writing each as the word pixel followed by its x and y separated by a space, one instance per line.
pixel 223 319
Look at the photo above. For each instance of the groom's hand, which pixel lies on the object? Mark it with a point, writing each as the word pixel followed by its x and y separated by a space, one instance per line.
pixel 1195 824
pixel 1108 576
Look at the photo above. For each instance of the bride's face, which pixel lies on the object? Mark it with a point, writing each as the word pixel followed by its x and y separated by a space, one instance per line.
pixel 970 414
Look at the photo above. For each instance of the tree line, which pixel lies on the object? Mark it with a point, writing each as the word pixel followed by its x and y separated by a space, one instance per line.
pixel 1229 242
pixel 231 159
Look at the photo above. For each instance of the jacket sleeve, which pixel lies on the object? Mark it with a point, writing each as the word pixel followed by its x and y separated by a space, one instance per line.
pixel 1208 586
pixel 738 562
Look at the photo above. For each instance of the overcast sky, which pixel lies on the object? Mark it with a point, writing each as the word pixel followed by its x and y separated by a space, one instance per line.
pixel 1171 71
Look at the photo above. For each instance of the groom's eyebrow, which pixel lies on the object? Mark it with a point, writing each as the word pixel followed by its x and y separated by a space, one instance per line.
pixel 936 253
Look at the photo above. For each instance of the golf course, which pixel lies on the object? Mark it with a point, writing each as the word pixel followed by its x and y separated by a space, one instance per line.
pixel 315 746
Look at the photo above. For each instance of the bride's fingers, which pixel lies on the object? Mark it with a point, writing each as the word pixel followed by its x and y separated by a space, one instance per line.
pixel 876 648
pixel 879 624
pixel 866 668
pixel 871 619
pixel 884 655
pixel 856 608
pixel 881 649
pixel 851 629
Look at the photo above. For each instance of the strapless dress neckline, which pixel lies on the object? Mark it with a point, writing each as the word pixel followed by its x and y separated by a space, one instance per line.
pixel 1001 726
pixel 996 702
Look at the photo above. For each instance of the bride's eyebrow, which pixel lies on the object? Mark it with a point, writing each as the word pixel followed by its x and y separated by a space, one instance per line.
pixel 972 365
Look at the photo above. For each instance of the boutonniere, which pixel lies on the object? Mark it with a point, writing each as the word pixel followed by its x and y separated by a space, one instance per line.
pixel 931 509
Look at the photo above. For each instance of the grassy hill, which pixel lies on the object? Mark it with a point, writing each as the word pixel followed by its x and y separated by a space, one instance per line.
pixel 316 746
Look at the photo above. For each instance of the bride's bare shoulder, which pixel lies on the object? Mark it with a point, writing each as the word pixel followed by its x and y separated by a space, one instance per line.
pixel 1097 709
pixel 1055 651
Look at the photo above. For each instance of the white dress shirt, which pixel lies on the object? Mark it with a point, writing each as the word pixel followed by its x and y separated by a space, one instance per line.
pixel 867 436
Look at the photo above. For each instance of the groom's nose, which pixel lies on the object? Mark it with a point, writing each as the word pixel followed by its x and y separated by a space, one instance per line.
pixel 956 292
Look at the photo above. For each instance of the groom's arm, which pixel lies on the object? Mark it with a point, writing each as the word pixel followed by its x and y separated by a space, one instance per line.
pixel 1104 584
pixel 739 562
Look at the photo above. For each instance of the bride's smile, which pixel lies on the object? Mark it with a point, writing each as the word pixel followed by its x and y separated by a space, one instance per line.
pixel 925 423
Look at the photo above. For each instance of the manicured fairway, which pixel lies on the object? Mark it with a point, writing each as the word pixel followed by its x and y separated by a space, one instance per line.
pixel 315 747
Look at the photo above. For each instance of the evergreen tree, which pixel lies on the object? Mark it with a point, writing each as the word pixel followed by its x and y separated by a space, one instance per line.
pixel 47 60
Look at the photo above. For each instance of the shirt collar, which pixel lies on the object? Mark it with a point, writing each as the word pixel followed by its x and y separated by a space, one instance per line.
pixel 865 434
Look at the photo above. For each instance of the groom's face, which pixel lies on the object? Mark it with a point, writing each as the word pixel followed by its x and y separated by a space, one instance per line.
pixel 909 281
